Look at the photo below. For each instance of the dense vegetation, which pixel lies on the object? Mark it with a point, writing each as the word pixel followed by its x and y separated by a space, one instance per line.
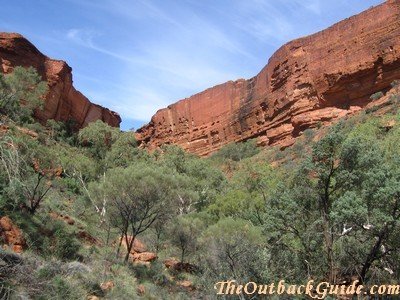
pixel 326 209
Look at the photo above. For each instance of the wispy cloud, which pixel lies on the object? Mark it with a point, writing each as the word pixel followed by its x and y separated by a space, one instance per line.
pixel 273 22
pixel 85 38
pixel 162 51
pixel 313 6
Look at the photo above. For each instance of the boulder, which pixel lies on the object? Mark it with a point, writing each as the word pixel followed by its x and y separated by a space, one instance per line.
pixel 186 284
pixel 87 238
pixel 144 257
pixel 174 264
pixel 138 246
pixel 107 286
pixel 11 236
pixel 141 290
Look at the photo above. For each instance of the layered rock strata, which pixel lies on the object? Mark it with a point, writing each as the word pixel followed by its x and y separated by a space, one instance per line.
pixel 63 102
pixel 308 82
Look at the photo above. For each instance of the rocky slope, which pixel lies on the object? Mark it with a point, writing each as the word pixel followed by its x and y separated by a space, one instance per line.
pixel 63 101
pixel 308 82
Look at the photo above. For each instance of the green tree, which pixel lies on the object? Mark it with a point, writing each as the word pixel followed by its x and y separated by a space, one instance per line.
pixel 29 172
pixel 62 130
pixel 124 151
pixel 184 232
pixel 98 137
pixel 343 203
pixel 201 180
pixel 235 250
pixel 237 151
pixel 134 198
pixel 21 92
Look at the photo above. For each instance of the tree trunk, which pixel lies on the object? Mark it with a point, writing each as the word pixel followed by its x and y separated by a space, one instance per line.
pixel 108 233
pixel 182 255
pixel 329 248
pixel 373 254
pixel 120 243
pixel 129 247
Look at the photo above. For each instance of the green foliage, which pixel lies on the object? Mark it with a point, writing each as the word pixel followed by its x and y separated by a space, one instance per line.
pixel 51 239
pixel 61 289
pixel 27 167
pixel 183 235
pixel 62 131
pixel 153 273
pixel 124 151
pixel 237 151
pixel 326 209
pixel 309 134
pixel 75 162
pixel 132 199
pixel 98 137
pixel 376 96
pixel 247 193
pixel 337 200
pixel 64 245
pixel 395 83
pixel 21 92
pixel 394 99
pixel 234 250
pixel 200 181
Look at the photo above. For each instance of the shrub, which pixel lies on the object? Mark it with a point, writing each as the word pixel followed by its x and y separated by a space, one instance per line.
pixel 153 273
pixel 309 134
pixel 63 131
pixel 60 243
pixel 61 289
pixel 394 99
pixel 67 246
pixel 21 92
pixel 395 83
pixel 237 151
pixel 98 137
pixel 376 96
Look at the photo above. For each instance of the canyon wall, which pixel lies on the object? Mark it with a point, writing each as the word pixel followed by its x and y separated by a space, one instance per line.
pixel 63 102
pixel 308 82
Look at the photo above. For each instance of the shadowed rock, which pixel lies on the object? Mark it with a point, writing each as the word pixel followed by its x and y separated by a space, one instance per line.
pixel 63 101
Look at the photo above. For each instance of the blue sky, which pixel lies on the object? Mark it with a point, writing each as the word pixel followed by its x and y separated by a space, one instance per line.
pixel 137 56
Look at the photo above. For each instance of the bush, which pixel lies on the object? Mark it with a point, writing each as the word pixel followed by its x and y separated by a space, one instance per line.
pixel 153 273
pixel 62 131
pixel 61 244
pixel 395 83
pixel 309 134
pixel 61 289
pixel 237 151
pixel 98 137
pixel 66 246
pixel 21 92
pixel 394 99
pixel 376 96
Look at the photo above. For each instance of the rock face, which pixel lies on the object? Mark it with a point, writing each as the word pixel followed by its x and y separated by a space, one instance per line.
pixel 11 236
pixel 139 253
pixel 308 82
pixel 63 101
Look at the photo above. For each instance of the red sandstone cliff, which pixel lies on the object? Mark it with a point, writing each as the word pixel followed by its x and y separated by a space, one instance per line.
pixel 63 101
pixel 309 81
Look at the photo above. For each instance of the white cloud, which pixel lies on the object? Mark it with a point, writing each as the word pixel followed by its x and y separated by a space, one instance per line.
pixel 189 54
pixel 271 22
pixel 137 104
